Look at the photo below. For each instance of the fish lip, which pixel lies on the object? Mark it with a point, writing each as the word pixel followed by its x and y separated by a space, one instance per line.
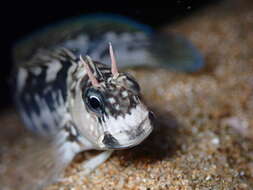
pixel 130 145
pixel 145 133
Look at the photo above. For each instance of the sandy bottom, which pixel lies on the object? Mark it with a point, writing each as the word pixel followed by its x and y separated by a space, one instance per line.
pixel 203 137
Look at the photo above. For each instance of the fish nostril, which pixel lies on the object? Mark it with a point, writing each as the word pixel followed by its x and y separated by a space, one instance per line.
pixel 151 115
pixel 110 141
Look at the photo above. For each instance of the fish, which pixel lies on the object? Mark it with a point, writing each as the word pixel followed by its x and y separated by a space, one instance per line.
pixel 136 44
pixel 69 89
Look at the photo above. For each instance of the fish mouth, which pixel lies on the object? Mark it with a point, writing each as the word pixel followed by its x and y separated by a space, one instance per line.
pixel 127 138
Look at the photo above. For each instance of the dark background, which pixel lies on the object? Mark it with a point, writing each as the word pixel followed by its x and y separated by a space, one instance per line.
pixel 18 20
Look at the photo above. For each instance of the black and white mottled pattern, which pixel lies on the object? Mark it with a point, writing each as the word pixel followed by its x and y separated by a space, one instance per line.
pixel 42 91
pixel 51 94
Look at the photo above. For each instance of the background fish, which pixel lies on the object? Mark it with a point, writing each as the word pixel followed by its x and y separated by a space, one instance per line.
pixel 135 44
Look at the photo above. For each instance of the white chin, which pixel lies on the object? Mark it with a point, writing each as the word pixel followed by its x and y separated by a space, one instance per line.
pixel 126 138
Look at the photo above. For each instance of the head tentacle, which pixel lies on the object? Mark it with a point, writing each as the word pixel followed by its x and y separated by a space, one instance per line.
pixel 114 68
pixel 91 76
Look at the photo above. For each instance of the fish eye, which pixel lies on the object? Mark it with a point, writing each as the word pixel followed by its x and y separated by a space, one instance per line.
pixel 94 102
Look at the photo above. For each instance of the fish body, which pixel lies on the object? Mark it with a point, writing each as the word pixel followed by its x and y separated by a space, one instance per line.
pixel 80 102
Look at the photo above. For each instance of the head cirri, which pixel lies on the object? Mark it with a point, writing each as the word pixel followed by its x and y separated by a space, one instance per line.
pixel 107 109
